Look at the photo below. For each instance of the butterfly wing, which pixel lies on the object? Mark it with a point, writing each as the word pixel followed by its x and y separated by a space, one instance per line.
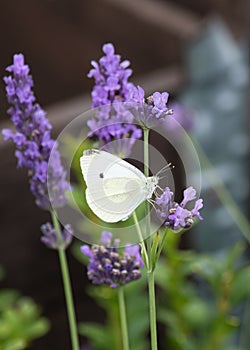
pixel 116 198
pixel 97 165
pixel 114 187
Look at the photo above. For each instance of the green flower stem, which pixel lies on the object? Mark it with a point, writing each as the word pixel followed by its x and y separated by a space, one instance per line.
pixel 152 310
pixel 138 229
pixel 163 241
pixel 67 287
pixel 151 288
pixel 147 209
pixel 151 284
pixel 146 153
pixel 123 318
pixel 154 250
pixel 223 194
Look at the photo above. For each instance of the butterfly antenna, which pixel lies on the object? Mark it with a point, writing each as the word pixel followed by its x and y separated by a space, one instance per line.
pixel 165 168
pixel 161 177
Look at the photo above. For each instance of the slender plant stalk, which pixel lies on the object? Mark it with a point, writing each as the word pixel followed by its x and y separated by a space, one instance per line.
pixel 123 318
pixel 163 241
pixel 67 287
pixel 152 310
pixel 113 322
pixel 146 173
pixel 146 151
pixel 140 236
pixel 223 194
pixel 151 285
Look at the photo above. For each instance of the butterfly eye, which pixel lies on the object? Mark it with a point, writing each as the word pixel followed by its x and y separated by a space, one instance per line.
pixel 101 175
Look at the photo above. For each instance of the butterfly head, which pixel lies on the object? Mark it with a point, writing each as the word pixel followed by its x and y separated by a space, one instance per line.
pixel 151 185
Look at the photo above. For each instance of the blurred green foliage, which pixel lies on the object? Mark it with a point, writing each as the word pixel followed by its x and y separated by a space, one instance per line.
pixel 108 337
pixel 198 298
pixel 20 320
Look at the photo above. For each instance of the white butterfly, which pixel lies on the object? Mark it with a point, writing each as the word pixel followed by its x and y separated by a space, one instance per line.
pixel 115 188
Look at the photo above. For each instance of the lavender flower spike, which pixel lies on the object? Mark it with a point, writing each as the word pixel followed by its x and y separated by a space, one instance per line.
pixel 175 215
pixel 111 78
pixel 50 238
pixel 114 121
pixel 32 137
pixel 108 266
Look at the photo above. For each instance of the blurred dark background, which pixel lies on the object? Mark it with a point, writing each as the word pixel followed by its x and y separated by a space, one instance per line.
pixel 59 39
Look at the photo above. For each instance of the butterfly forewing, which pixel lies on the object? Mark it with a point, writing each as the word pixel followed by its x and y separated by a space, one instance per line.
pixel 114 187
pixel 97 165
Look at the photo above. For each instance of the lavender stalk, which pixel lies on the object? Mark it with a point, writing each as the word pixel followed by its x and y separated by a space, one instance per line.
pixel 32 138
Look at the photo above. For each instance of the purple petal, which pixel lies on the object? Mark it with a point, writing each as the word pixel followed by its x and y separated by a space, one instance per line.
pixel 7 134
pixel 179 217
pixel 165 198
pixel 108 49
pixel 134 250
pixel 125 64
pixel 198 205
pixel 85 249
pixel 106 237
pixel 165 96
pixel 189 195
pixel 157 98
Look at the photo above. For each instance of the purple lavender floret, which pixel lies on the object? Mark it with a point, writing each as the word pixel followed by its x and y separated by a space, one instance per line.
pixel 108 266
pixel 151 111
pixel 112 88
pixel 32 137
pixel 111 78
pixel 160 103
pixel 50 239
pixel 174 215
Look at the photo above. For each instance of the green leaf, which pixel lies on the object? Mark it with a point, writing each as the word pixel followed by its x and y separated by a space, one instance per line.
pixel 198 313
pixel 7 298
pixel 76 252
pixel 240 288
pixel 20 321
pixel 15 344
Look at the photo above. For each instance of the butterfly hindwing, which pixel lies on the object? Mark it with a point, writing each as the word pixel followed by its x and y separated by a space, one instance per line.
pixel 117 199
